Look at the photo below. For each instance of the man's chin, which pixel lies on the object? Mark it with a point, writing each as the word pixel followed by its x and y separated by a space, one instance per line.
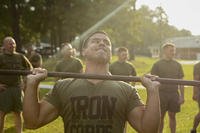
pixel 101 60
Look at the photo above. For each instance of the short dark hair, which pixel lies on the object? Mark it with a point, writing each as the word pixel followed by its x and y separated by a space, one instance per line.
pixel 35 57
pixel 122 49
pixel 84 44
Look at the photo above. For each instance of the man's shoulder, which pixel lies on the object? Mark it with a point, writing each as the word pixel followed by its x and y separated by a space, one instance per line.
pixel 122 84
pixel 77 59
pixel 63 83
pixel 129 63
pixel 197 64
pixel 114 63
pixel 164 61
pixel 18 55
pixel 176 63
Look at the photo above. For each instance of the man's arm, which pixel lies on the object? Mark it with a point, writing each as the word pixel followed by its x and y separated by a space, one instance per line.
pixel 35 113
pixel 146 119
pixel 181 97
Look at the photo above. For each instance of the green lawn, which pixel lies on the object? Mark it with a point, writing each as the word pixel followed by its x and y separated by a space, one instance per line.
pixel 143 65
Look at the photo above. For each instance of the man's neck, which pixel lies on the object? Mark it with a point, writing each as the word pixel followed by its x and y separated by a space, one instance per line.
pixel 96 68
pixel 121 61
pixel 167 58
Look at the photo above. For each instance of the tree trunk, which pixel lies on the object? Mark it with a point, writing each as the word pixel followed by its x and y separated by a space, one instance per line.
pixel 14 11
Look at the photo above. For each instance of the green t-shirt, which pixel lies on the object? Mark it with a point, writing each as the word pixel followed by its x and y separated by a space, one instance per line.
pixel 168 69
pixel 69 65
pixel 15 61
pixel 90 108
pixel 122 68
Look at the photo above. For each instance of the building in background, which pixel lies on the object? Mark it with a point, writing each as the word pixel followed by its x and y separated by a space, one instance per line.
pixel 186 47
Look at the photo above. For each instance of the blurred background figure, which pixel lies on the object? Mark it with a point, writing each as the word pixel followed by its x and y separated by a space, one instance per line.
pixel 11 96
pixel 196 97
pixel 34 57
pixel 29 51
pixel 36 60
pixel 69 63
pixel 122 66
pixel 171 96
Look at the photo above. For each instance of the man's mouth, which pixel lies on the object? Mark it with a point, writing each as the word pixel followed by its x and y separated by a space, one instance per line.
pixel 101 49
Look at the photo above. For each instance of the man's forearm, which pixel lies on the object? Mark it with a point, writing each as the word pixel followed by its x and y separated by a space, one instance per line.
pixel 31 104
pixel 151 118
pixel 181 88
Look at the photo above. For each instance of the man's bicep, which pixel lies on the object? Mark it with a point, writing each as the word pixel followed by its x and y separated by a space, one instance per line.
pixel 48 113
pixel 135 117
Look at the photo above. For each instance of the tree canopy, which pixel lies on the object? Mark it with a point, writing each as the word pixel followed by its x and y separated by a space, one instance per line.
pixel 54 22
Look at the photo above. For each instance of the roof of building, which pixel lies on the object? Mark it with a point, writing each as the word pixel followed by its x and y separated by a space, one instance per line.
pixel 185 42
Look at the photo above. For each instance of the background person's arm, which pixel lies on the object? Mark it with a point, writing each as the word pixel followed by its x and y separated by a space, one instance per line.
pixel 181 97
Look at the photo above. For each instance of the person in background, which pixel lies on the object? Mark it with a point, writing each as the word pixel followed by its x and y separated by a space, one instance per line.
pixel 36 60
pixel 196 96
pixel 34 57
pixel 11 96
pixel 29 51
pixel 93 105
pixel 122 66
pixel 170 97
pixel 69 63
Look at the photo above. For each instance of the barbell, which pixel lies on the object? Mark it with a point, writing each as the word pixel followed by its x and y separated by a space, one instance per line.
pixel 102 77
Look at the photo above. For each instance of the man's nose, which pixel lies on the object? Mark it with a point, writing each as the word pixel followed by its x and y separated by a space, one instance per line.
pixel 102 43
pixel 12 44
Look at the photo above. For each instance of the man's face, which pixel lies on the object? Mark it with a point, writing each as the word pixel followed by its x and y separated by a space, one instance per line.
pixel 123 56
pixel 170 52
pixel 98 49
pixel 9 46
pixel 67 50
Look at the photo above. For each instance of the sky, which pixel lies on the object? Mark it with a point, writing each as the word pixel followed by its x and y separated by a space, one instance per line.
pixel 183 14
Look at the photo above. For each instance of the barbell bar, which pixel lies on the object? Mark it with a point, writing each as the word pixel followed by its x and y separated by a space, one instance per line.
pixel 102 77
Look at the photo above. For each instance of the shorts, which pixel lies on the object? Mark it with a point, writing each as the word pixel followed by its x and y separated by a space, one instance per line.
pixel 169 102
pixel 11 100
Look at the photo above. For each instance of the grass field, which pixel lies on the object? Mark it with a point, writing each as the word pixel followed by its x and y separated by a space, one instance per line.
pixel 143 65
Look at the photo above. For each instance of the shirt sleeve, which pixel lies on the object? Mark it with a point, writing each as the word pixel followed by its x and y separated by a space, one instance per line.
pixel 53 96
pixel 134 73
pixel 196 70
pixel 181 73
pixel 134 100
pixel 26 63
pixel 154 69
pixel 80 64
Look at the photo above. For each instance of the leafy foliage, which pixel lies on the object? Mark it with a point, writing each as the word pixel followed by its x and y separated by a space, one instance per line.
pixel 34 21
